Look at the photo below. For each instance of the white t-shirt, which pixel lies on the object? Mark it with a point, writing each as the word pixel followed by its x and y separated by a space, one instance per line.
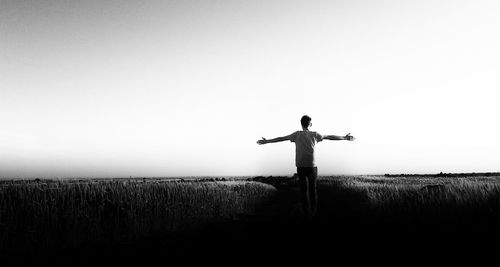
pixel 304 147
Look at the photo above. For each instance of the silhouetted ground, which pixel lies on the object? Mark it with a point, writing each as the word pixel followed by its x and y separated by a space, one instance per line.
pixel 344 230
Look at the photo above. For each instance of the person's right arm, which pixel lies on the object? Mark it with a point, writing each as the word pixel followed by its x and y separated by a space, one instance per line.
pixel 274 140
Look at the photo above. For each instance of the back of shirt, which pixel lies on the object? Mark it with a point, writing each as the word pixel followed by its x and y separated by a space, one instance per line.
pixel 304 147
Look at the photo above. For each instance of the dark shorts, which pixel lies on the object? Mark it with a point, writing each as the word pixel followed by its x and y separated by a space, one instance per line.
pixel 309 172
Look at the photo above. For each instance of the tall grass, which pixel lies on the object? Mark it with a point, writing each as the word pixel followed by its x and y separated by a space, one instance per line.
pixel 424 202
pixel 69 214
pixel 431 193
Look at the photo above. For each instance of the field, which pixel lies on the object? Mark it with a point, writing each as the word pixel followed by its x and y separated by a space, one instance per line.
pixel 50 215
pixel 177 217
pixel 424 203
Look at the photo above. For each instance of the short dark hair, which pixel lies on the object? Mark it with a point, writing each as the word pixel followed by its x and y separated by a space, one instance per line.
pixel 305 121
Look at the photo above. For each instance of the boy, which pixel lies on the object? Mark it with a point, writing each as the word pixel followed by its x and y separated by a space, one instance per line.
pixel 307 171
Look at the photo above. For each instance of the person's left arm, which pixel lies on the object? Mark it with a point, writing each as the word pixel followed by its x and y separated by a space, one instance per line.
pixel 347 137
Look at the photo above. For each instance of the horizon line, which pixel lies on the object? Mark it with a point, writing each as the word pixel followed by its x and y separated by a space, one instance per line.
pixel 247 176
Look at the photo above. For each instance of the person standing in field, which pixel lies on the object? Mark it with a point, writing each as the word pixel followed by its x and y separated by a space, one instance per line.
pixel 307 170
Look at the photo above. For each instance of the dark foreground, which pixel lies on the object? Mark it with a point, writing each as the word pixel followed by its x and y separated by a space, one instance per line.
pixel 344 230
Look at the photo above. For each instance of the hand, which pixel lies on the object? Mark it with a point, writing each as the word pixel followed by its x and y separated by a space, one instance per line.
pixel 263 141
pixel 349 137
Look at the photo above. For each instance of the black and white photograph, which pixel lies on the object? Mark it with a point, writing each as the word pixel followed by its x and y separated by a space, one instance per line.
pixel 234 132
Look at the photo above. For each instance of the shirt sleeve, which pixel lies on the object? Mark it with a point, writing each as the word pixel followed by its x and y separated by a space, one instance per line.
pixel 293 137
pixel 318 137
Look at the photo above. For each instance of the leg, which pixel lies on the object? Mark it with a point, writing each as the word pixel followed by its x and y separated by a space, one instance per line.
pixel 304 190
pixel 313 195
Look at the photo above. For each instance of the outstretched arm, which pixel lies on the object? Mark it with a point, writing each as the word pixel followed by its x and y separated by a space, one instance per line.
pixel 347 137
pixel 274 140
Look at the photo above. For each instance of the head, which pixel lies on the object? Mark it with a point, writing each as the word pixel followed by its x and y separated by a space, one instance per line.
pixel 305 121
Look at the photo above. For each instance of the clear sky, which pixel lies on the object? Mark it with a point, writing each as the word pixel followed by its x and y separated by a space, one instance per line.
pixel 166 88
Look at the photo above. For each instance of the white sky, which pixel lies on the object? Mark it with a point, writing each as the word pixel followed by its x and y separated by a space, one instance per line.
pixel 146 88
